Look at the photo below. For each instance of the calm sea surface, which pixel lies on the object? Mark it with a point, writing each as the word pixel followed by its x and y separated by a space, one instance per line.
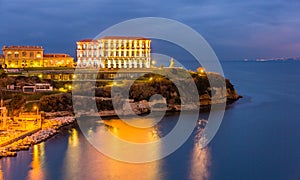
pixel 259 138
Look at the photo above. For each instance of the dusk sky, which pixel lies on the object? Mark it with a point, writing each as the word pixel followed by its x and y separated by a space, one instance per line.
pixel 235 29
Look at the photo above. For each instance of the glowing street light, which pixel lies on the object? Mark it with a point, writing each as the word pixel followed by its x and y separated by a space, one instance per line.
pixel 37 115
pixel 201 71
pixel 153 62
pixel 37 109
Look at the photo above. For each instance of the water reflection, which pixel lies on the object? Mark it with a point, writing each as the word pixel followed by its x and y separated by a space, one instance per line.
pixel 122 130
pixel 200 163
pixel 201 158
pixel 38 160
pixel 82 161
pixel 73 138
pixel 74 152
pixel 5 166
pixel 132 134
pixel 1 173
pixel 98 166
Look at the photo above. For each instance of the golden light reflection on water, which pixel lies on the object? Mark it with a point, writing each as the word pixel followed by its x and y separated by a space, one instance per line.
pixel 132 134
pixel 1 173
pixel 120 170
pixel 98 166
pixel 73 138
pixel 7 166
pixel 38 160
pixel 73 155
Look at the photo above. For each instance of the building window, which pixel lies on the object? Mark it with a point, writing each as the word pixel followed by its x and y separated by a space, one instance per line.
pixel 24 54
pixel 16 55
pixel 38 55
pixel 31 54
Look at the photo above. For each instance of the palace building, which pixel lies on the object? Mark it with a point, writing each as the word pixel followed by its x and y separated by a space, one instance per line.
pixel 22 56
pixel 33 56
pixel 58 60
pixel 114 52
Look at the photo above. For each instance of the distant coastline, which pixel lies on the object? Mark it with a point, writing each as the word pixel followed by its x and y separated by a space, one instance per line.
pixel 274 59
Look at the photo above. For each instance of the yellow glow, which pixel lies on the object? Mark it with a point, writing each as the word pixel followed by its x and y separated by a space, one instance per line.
pixel 40 75
pixel 38 158
pixel 1 173
pixel 201 70
pixel 131 133
pixel 111 169
pixel 62 90
pixel 73 139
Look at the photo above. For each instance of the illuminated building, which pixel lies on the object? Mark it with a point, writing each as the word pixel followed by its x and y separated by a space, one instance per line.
pixel 23 56
pixel 114 52
pixel 33 56
pixel 58 60
pixel 2 60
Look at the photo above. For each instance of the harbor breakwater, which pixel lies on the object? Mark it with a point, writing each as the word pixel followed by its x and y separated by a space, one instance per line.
pixel 25 140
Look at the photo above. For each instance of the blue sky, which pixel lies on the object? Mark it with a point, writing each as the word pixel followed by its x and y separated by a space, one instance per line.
pixel 235 29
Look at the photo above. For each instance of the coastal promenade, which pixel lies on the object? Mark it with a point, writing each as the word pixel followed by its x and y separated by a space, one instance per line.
pixel 22 141
pixel 17 137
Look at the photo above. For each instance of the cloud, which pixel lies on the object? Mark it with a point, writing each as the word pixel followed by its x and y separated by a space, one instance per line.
pixel 231 26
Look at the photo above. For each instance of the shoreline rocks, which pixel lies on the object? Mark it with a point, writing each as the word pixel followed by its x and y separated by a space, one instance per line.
pixel 52 128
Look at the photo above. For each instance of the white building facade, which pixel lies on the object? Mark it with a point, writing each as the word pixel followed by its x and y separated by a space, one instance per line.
pixel 114 52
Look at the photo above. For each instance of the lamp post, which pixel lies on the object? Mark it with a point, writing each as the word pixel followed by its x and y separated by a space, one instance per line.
pixel 37 114
pixel 37 109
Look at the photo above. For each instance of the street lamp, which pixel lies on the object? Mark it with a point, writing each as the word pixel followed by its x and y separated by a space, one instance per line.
pixel 37 113
pixel 37 109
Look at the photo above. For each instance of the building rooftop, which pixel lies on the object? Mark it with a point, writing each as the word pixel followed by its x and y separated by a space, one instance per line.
pixel 125 37
pixel 87 40
pixel 56 55
pixel 22 48
pixel 115 37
